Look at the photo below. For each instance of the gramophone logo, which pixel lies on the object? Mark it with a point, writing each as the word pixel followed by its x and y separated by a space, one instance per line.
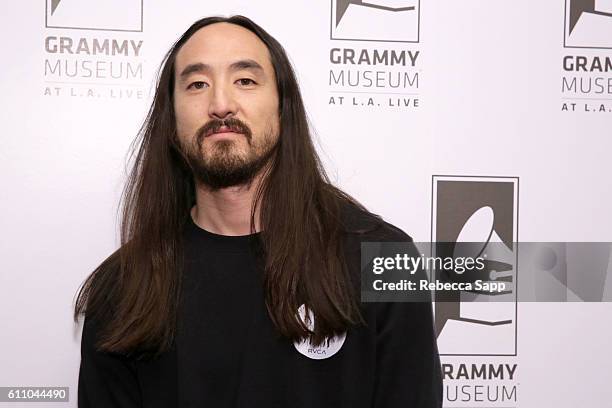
pixel 480 210
pixel 105 15
pixel 375 20
pixel 588 24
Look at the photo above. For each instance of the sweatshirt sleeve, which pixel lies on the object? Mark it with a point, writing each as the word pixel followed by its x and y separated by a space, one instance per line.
pixel 408 373
pixel 106 380
pixel 408 369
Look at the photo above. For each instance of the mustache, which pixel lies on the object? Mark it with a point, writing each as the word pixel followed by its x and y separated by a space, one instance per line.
pixel 213 125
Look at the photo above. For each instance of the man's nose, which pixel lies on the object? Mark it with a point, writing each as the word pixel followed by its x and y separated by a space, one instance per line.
pixel 223 104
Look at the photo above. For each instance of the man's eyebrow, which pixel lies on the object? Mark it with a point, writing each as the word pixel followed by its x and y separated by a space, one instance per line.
pixel 247 64
pixel 191 68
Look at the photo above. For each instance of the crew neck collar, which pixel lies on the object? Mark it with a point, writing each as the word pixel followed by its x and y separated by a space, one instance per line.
pixel 219 238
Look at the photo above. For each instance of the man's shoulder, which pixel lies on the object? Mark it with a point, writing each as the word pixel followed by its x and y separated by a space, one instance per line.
pixel 363 225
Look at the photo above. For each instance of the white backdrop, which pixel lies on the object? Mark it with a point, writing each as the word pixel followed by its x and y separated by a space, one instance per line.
pixel 491 102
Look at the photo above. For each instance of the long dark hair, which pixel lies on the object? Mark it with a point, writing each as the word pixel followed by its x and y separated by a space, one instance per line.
pixel 135 291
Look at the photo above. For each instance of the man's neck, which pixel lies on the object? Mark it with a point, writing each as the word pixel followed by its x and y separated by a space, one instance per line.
pixel 226 211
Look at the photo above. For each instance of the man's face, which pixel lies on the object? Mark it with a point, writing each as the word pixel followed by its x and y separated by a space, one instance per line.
pixel 226 104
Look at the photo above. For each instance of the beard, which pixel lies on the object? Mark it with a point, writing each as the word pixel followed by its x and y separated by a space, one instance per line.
pixel 224 163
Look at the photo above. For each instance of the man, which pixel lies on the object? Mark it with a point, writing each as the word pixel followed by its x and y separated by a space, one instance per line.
pixel 237 282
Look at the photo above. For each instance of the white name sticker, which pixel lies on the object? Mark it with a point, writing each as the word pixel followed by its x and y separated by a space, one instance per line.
pixel 327 349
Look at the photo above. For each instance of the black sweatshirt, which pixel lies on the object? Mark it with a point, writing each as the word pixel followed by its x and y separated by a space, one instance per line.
pixel 227 352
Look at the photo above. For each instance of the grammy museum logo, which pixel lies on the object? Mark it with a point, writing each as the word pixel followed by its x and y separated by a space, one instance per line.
pixel 105 15
pixel 394 21
pixel 588 24
pixel 93 49
pixel 477 340
pixel 374 56
pixel 586 83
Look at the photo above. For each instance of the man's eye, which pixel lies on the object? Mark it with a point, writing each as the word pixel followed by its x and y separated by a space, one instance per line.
pixel 197 85
pixel 246 81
